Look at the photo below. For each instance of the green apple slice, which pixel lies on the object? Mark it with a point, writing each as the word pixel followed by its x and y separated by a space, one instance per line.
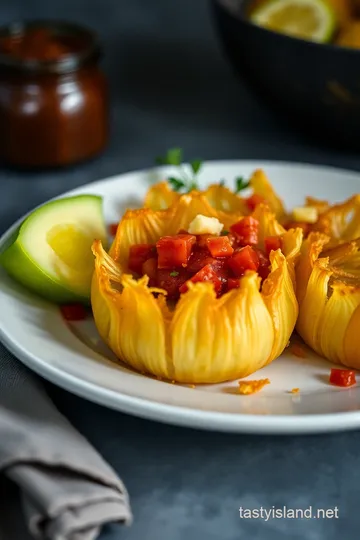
pixel 50 253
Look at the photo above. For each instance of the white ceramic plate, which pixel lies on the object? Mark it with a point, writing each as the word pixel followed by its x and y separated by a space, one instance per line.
pixel 75 359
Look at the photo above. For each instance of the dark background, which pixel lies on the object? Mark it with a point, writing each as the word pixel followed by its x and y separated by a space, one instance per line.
pixel 171 86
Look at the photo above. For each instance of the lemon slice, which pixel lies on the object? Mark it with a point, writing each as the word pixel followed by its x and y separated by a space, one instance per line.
pixel 50 253
pixel 312 20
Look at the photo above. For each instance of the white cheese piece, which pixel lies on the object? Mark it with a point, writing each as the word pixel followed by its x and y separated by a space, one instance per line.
pixel 205 225
pixel 308 214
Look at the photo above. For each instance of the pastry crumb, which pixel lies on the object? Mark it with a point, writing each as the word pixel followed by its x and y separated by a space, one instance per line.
pixel 191 385
pixel 251 387
pixel 295 391
pixel 298 350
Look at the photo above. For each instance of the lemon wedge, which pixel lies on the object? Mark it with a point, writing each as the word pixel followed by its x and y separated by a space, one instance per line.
pixel 312 20
pixel 50 253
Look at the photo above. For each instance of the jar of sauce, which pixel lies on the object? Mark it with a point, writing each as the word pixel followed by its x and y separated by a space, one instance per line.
pixel 53 95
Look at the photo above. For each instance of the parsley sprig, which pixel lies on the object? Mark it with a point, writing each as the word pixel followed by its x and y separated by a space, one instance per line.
pixel 184 182
pixel 241 183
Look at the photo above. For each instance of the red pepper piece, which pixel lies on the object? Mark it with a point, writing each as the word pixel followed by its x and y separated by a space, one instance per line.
pixel 220 246
pixel 205 274
pixel 342 377
pixel 138 254
pixel 254 200
pixel 233 240
pixel 149 268
pixel 174 251
pixel 244 259
pixel 272 243
pixel 246 230
pixel 201 240
pixel 233 283
pixel 264 264
pixel 222 271
pixel 171 281
pixel 200 257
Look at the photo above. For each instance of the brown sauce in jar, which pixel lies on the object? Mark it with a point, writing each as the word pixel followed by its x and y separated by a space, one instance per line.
pixel 53 95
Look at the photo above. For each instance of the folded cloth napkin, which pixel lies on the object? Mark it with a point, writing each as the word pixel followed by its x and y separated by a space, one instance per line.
pixel 67 490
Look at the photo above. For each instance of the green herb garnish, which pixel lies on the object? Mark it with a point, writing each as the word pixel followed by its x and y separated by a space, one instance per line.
pixel 240 184
pixel 173 157
pixel 196 165
pixel 222 183
pixel 176 183
pixel 224 233
pixel 184 182
pixel 174 273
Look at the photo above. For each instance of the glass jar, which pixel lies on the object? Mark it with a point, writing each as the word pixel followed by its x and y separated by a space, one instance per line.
pixel 53 95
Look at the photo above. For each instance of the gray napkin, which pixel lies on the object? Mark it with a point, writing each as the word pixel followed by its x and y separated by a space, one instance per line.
pixel 67 490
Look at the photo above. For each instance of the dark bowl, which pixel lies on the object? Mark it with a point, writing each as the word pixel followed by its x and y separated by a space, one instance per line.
pixel 316 87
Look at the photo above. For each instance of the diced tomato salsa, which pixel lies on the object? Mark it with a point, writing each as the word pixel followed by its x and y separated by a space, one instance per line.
pixel 222 260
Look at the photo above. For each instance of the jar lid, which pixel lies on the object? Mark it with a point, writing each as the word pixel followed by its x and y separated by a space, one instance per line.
pixel 47 46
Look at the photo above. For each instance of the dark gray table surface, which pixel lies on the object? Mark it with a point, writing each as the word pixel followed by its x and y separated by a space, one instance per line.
pixel 170 86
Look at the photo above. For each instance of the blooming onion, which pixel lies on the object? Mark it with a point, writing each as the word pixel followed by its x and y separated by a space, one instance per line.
pixel 328 285
pixel 200 338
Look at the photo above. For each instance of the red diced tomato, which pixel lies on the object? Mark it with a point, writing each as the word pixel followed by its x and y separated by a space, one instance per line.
pixel 233 240
pixel 113 227
pixel 205 274
pixel 73 312
pixel 138 254
pixel 233 283
pixel 220 246
pixel 264 264
pixel 244 259
pixel 246 230
pixel 202 239
pixel 254 200
pixel 263 271
pixel 149 268
pixel 199 258
pixel 272 243
pixel 221 269
pixel 171 281
pixel 174 251
pixel 342 377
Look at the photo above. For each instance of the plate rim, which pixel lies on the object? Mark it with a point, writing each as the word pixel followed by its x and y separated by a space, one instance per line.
pixel 274 424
